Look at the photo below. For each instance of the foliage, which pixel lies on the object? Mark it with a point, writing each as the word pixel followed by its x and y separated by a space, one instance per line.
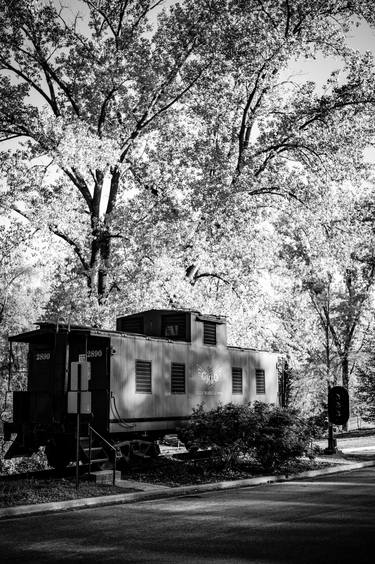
pixel 225 429
pixel 365 389
pixel 328 249
pixel 168 153
pixel 30 491
pixel 319 423
pixel 21 300
pixel 134 110
pixel 21 465
pixel 272 435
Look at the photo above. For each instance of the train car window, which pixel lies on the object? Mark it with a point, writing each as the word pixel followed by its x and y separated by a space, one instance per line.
pixel 209 333
pixel 260 379
pixel 174 327
pixel 143 383
pixel 177 378
pixel 237 386
pixel 132 324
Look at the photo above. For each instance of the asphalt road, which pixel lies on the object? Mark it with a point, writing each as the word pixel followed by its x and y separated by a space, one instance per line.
pixel 327 520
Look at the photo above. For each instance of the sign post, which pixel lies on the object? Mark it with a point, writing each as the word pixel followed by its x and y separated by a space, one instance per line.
pixel 78 437
pixel 79 399
pixel 338 413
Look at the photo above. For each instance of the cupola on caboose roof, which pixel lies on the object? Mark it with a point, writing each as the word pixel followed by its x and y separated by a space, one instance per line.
pixel 176 325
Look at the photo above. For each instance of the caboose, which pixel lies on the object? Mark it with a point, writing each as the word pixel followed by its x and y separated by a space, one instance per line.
pixel 145 379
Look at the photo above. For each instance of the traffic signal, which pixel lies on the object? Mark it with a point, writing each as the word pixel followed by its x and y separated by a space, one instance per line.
pixel 338 405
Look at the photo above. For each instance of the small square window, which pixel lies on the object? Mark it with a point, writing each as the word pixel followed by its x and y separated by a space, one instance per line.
pixel 173 327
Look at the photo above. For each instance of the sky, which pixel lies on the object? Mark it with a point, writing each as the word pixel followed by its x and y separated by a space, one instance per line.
pixel 318 70
pixel 361 39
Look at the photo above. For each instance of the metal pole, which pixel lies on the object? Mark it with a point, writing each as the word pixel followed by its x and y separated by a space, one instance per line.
pixel 90 440
pixel 114 467
pixel 9 375
pixel 79 385
pixel 67 354
pixel 331 449
pixel 77 444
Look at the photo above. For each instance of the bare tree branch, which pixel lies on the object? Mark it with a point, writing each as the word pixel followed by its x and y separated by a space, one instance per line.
pixel 81 184
pixel 76 248
pixel 103 111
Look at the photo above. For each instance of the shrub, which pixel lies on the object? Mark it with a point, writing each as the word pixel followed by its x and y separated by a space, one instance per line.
pixel 222 429
pixel 280 436
pixel 319 424
pixel 271 435
pixel 35 462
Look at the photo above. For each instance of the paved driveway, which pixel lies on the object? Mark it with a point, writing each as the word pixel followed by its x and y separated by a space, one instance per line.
pixel 327 520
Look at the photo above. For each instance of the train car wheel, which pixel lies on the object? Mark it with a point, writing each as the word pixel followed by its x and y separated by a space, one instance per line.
pixel 137 450
pixel 57 455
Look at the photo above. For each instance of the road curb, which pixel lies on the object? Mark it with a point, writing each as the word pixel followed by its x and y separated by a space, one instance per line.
pixel 118 499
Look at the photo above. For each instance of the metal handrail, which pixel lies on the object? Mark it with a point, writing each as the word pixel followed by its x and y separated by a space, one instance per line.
pixel 91 430
pixel 102 438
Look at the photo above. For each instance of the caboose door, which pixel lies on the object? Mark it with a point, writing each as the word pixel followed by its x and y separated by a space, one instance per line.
pixel 98 355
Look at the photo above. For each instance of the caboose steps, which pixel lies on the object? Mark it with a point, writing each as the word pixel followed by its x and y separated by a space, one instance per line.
pixel 105 476
pixel 96 455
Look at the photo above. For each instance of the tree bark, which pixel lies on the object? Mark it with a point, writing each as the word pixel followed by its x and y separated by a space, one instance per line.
pixel 345 370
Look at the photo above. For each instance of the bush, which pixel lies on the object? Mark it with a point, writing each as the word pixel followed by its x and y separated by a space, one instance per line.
pixel 223 429
pixel 272 436
pixel 280 436
pixel 319 424
pixel 35 462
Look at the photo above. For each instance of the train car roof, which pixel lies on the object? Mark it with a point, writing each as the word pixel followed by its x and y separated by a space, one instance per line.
pixel 245 349
pixel 202 317
pixel 163 311
pixel 49 328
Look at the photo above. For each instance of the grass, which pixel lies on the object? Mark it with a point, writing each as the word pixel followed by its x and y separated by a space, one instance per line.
pixel 163 471
pixel 173 473
pixel 31 491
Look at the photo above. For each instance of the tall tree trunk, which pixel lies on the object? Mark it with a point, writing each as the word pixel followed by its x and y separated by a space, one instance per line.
pixel 105 254
pixel 99 263
pixel 345 370
pixel 97 267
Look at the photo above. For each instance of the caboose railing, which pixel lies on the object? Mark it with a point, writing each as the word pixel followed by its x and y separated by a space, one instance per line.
pixel 107 444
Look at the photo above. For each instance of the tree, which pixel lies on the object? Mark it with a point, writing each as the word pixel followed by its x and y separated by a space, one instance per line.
pixel 20 300
pixel 330 248
pixel 101 91
pixel 120 106
pixel 365 387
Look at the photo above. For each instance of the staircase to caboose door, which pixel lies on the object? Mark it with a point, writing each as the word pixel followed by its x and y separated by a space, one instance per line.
pixel 95 456
pixel 100 455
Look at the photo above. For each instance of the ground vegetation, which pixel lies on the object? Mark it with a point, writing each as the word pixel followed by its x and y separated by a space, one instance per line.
pixel 270 435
